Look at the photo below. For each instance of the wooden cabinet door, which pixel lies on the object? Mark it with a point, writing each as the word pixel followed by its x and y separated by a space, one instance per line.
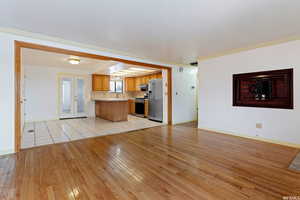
pixel 152 76
pixel 138 82
pixel 96 83
pixel 105 83
pixel 147 78
pixel 146 107
pixel 127 84
pixel 132 107
pixel 144 80
pixel 100 82
pixel 129 106
pixel 159 75
pixel 130 84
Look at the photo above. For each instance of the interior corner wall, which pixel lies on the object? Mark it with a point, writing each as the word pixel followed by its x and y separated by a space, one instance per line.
pixel 215 94
pixel 184 96
pixel 165 95
pixel 7 95
pixel 41 92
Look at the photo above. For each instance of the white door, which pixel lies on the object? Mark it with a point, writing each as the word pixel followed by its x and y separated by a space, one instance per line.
pixel 71 102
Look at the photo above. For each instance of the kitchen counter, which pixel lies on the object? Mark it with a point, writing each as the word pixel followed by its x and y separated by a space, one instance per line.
pixel 110 99
pixel 112 109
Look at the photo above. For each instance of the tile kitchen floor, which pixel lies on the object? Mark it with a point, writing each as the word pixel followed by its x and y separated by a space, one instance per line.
pixel 57 131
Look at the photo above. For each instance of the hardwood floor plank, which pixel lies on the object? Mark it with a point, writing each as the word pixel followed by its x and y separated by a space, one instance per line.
pixel 165 162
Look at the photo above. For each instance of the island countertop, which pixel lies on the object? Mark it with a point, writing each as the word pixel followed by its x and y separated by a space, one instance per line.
pixel 113 109
pixel 110 99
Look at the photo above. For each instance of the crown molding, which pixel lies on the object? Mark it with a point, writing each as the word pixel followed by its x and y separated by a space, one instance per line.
pixel 238 50
pixel 38 36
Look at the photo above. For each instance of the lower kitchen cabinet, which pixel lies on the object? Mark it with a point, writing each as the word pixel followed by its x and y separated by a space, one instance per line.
pixel 146 107
pixel 131 106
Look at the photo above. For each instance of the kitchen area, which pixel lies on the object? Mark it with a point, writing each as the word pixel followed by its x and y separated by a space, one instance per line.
pixel 128 93
pixel 87 97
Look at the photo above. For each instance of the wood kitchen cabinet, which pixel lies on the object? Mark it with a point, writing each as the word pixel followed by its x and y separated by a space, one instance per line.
pixel 115 110
pixel 159 75
pixel 142 80
pixel 131 106
pixel 138 82
pixel 146 106
pixel 152 76
pixel 147 79
pixel 100 82
pixel 130 85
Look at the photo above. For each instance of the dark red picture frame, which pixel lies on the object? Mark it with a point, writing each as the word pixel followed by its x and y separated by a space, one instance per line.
pixel 267 89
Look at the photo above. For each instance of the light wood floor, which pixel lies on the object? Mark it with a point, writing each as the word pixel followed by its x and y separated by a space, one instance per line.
pixel 166 162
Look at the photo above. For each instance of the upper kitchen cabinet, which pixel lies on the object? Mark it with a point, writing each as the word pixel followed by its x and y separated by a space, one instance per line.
pixel 155 76
pixel 100 82
pixel 158 75
pixel 138 82
pixel 147 79
pixel 130 84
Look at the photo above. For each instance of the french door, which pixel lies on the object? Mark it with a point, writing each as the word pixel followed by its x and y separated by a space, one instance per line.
pixel 72 96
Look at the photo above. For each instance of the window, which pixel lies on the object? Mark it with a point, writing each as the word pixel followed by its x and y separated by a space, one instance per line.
pixel 116 86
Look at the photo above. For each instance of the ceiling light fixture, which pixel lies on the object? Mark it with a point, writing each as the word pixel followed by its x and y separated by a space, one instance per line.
pixel 129 71
pixel 141 69
pixel 74 61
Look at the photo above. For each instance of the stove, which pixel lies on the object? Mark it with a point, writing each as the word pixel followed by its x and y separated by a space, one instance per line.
pixel 140 106
pixel 139 100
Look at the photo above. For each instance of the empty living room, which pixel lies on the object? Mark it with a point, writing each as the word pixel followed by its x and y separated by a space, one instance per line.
pixel 150 100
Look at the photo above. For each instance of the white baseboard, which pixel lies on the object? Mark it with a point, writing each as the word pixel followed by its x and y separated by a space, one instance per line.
pixel 289 144
pixel 31 121
pixel 177 123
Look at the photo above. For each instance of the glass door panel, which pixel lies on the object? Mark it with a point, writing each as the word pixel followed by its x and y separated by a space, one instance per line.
pixel 79 98
pixel 72 97
pixel 66 96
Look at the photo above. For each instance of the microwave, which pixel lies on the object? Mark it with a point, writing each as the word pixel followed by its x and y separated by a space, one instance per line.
pixel 144 87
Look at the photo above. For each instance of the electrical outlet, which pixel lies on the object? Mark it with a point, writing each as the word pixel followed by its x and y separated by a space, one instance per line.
pixel 259 125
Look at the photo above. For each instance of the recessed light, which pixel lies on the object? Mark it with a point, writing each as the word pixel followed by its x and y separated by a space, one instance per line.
pixel 74 61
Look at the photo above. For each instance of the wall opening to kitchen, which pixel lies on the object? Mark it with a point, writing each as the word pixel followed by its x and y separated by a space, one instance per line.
pixel 112 97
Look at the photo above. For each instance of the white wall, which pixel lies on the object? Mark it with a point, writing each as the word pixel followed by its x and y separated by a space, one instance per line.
pixel 41 92
pixel 215 94
pixel 184 95
pixel 165 95
pixel 7 95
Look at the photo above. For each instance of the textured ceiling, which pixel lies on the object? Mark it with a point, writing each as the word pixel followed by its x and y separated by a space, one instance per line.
pixel 172 31
pixel 39 58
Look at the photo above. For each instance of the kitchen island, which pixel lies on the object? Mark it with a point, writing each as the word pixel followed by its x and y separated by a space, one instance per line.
pixel 112 109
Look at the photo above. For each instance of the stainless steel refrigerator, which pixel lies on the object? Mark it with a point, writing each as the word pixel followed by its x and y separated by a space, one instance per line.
pixel 155 100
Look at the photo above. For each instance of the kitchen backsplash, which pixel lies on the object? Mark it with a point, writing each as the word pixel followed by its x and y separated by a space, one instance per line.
pixel 117 95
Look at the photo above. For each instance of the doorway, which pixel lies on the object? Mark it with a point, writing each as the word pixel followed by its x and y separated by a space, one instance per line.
pixel 19 46
pixel 71 96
